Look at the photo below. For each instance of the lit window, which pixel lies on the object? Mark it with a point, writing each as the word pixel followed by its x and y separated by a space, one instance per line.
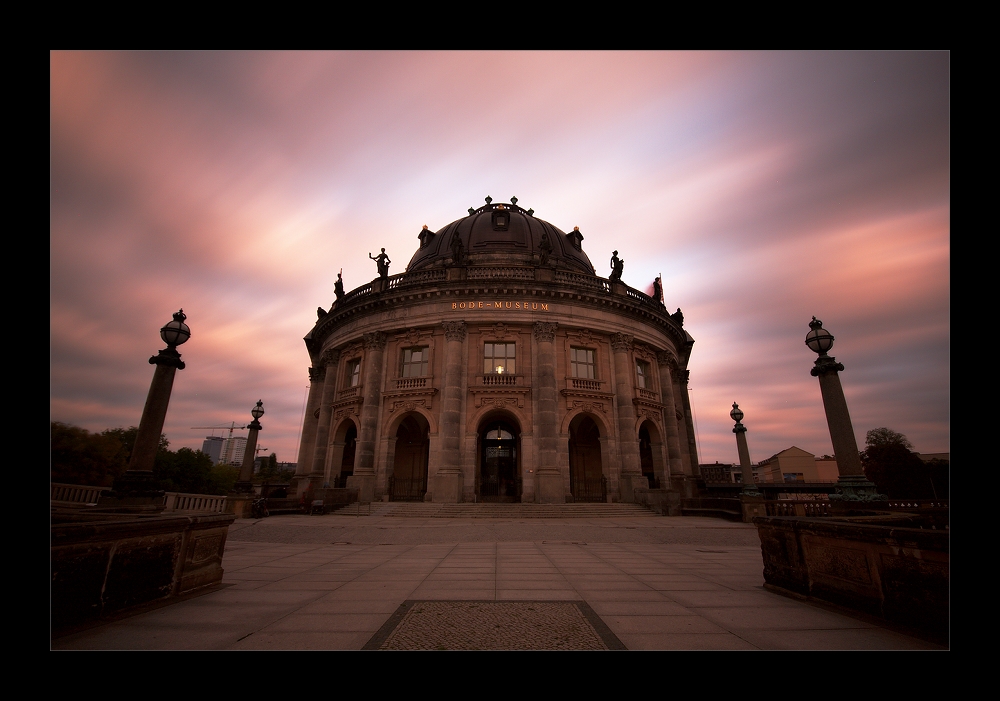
pixel 354 372
pixel 642 373
pixel 414 362
pixel 582 363
pixel 499 358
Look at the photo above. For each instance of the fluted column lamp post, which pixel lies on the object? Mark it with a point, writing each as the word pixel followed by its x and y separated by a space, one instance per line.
pixel 137 482
pixel 853 488
pixel 749 486
pixel 244 484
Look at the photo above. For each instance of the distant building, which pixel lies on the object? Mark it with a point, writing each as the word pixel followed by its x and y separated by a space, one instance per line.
pixel 718 472
pixel 797 465
pixel 232 453
pixel 927 457
pixel 213 447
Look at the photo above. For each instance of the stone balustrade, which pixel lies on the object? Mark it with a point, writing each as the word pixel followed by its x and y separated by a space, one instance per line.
pixel 202 503
pixel 75 494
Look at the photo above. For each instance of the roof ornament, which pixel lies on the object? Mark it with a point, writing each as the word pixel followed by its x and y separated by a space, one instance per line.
pixel 488 199
pixel 471 211
pixel 513 200
pixel 530 212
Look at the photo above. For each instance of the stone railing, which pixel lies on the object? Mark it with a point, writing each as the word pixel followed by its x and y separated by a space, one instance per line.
pixel 202 503
pixel 494 379
pixel 787 507
pixel 349 393
pixel 646 394
pixel 500 273
pixel 412 382
pixel 75 493
pixel 580 383
pixel 581 280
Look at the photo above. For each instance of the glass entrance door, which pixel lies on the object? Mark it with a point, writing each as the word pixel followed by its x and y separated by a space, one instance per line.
pixel 498 475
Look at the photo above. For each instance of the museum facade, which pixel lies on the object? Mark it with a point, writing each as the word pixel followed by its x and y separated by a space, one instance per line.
pixel 498 367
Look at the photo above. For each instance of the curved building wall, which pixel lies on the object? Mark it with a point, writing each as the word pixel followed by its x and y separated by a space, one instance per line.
pixel 427 344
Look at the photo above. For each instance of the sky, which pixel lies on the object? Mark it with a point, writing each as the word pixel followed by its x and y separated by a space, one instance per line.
pixel 765 187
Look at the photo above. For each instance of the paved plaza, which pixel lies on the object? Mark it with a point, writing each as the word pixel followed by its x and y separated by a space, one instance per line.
pixel 381 581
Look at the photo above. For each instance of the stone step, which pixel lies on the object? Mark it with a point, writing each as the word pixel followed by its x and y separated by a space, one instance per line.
pixel 488 510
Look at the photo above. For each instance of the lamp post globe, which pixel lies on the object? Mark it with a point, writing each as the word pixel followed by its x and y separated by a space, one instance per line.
pixel 818 339
pixel 176 332
pixel 736 415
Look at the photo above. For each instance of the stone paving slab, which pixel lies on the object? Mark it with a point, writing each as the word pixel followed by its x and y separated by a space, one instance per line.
pixel 688 583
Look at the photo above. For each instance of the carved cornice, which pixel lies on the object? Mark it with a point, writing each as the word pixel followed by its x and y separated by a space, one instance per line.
pixel 587 406
pixel 347 407
pixel 454 330
pixel 645 352
pixel 409 404
pixel 576 398
pixel 499 331
pixel 393 394
pixel 621 342
pixel 352 349
pixel 317 374
pixel 649 409
pixel 545 330
pixel 500 402
pixel 374 341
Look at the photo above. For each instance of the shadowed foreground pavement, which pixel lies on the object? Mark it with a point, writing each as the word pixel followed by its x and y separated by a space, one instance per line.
pixel 343 582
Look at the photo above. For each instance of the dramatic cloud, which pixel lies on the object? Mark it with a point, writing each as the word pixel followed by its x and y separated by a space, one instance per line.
pixel 765 187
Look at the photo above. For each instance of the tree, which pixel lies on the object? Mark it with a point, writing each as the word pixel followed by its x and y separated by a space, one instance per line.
pixel 889 462
pixel 81 457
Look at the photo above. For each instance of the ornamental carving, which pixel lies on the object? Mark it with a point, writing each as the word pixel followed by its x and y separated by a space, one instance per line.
pixel 586 337
pixel 499 331
pixel 651 414
pixel 825 366
pixel 590 406
pixel 545 330
pixel 412 337
pixel 317 374
pixel 353 349
pixel 644 351
pixel 351 410
pixel 454 330
pixel 330 357
pixel 408 404
pixel 374 341
pixel 621 342
pixel 667 358
pixel 316 413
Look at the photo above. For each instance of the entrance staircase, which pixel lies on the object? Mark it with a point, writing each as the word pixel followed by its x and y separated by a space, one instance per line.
pixel 405 509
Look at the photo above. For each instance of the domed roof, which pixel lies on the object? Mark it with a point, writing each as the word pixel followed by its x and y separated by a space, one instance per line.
pixel 503 234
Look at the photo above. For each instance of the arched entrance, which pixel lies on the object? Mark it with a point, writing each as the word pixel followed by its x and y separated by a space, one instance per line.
pixel 347 462
pixel 586 476
pixel 499 476
pixel 646 456
pixel 408 481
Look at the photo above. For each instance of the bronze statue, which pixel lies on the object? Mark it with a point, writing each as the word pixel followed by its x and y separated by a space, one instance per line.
pixel 657 290
pixel 617 265
pixel 457 249
pixel 338 286
pixel 382 261
pixel 320 313
pixel 545 246
pixel 678 317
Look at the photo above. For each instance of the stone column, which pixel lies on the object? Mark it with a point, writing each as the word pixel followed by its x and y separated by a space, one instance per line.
pixel 853 487
pixel 751 499
pixel 448 481
pixel 310 422
pixel 631 477
pixel 250 454
pixel 551 487
pixel 364 459
pixel 690 447
pixel 667 364
pixel 328 362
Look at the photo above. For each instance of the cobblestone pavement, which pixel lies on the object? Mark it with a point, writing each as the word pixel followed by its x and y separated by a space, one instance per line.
pixel 490 625
pixel 333 582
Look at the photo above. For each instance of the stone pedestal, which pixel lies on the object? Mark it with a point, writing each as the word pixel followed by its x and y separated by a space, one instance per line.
pixel 448 488
pixel 365 484
pixel 752 506
pixel 550 488
pixel 628 483
pixel 239 504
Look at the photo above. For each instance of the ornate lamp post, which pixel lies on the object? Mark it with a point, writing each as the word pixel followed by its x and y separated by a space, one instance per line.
pixel 137 482
pixel 244 485
pixel 749 486
pixel 853 488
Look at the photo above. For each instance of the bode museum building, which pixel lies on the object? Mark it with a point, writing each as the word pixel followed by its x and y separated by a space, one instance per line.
pixel 499 367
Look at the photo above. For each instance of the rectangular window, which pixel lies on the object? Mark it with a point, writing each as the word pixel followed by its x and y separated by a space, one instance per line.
pixel 499 358
pixel 353 372
pixel 414 362
pixel 582 363
pixel 642 374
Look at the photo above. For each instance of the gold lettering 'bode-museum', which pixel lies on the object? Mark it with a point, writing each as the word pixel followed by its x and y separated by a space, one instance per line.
pixel 532 306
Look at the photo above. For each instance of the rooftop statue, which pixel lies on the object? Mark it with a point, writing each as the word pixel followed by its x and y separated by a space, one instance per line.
pixel 617 265
pixel 545 246
pixel 338 286
pixel 382 261
pixel 658 290
pixel 457 249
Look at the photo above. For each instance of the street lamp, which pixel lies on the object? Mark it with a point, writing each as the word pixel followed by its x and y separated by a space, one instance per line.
pixel 244 483
pixel 853 488
pixel 137 481
pixel 749 486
